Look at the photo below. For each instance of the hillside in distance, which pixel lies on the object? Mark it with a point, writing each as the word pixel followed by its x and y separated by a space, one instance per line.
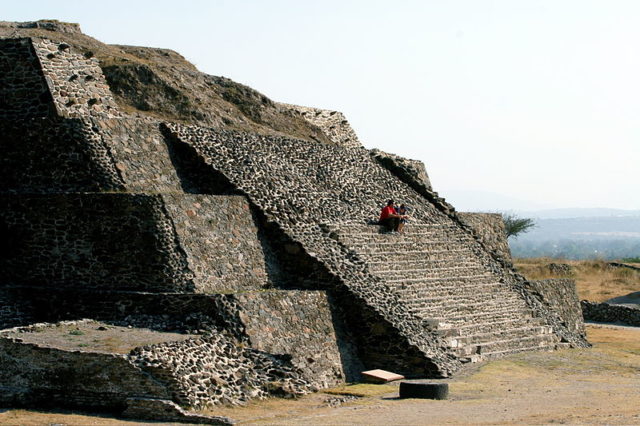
pixel 603 237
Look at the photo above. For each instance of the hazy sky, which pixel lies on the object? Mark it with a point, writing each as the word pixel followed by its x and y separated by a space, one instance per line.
pixel 528 103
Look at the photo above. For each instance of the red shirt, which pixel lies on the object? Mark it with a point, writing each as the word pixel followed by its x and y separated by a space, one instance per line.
pixel 386 212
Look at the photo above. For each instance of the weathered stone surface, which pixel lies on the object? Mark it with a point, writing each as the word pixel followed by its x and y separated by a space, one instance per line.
pixel 37 375
pixel 76 83
pixel 166 410
pixel 412 172
pixel 561 269
pixel 332 123
pixel 489 227
pixel 605 312
pixel 46 24
pixel 24 92
pixel 562 298
pixel 316 222
pixel 180 242
pixel 194 372
pixel 295 324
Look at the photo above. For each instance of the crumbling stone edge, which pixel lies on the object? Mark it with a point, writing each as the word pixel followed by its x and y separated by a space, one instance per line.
pixel 166 410
pixel 605 312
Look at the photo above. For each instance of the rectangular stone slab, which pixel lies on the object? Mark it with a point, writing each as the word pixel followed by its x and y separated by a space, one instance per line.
pixel 380 376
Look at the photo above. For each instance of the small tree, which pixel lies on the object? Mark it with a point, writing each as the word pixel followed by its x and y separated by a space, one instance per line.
pixel 515 225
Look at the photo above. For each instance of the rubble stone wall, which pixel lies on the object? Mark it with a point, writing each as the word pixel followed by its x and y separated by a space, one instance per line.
pixel 15 310
pixel 184 243
pixel 213 370
pixel 412 172
pixel 23 90
pixel 75 81
pixel 299 324
pixel 489 227
pixel 332 123
pixel 194 373
pixel 140 154
pixel 605 312
pixel 86 155
pixel 46 376
pixel 561 297
pixel 109 241
pixel 220 240
pixel 50 155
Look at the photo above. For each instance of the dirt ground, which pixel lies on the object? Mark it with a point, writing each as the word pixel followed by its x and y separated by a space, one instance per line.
pixel 600 385
pixel 94 336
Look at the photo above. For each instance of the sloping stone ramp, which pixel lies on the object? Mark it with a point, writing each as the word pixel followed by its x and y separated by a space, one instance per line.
pixel 436 285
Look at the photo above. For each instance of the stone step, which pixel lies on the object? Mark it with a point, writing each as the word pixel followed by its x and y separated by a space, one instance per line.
pixel 507 346
pixel 435 280
pixel 449 310
pixel 486 356
pixel 478 298
pixel 451 256
pixel 450 271
pixel 452 311
pixel 423 264
pixel 487 327
pixel 418 291
pixel 498 335
pixel 356 229
pixel 394 249
pixel 456 321
pixel 402 240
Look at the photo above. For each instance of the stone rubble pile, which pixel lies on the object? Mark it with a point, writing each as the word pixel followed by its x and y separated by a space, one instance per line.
pixel 213 369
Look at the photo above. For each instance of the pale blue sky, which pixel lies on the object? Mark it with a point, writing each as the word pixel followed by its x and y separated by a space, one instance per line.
pixel 533 100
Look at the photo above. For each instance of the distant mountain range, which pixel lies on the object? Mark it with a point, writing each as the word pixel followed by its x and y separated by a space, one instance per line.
pixel 581 237
pixel 572 233
pixel 577 213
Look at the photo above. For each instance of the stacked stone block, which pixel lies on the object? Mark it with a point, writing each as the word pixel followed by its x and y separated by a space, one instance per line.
pixel 24 92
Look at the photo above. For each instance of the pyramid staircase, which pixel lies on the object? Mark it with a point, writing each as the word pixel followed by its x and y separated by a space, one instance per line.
pixel 437 275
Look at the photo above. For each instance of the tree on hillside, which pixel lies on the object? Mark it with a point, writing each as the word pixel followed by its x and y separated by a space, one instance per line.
pixel 515 225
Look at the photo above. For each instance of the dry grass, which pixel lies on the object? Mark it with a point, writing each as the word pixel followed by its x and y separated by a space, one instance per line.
pixel 595 279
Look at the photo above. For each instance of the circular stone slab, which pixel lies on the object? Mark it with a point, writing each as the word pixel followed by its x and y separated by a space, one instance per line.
pixel 424 390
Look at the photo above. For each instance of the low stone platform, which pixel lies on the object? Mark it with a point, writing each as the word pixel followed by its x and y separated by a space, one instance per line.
pixel 90 336
pixel 100 366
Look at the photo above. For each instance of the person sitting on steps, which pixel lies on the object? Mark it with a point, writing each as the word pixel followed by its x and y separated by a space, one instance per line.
pixel 389 218
pixel 402 211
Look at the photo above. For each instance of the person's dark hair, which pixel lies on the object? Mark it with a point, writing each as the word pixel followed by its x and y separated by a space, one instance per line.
pixel 389 202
